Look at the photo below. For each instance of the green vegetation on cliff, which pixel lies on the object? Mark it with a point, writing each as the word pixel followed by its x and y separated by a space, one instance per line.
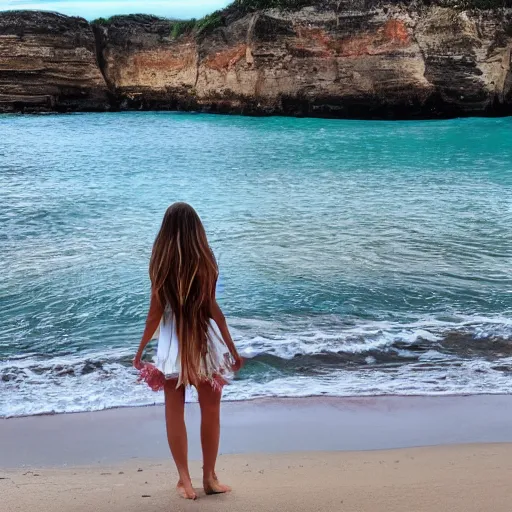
pixel 181 27
pixel 203 26
pixel 122 19
pixel 101 21
pixel 209 22
pixel 198 27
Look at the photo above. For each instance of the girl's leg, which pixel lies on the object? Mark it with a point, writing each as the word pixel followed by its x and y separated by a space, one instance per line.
pixel 209 401
pixel 177 436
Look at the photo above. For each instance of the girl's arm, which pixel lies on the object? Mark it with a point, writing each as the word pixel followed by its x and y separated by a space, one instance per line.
pixel 152 322
pixel 219 318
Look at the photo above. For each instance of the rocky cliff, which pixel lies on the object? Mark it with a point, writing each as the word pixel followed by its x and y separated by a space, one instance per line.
pixel 48 63
pixel 352 58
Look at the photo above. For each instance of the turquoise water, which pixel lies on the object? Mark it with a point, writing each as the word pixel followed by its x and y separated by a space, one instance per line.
pixel 356 257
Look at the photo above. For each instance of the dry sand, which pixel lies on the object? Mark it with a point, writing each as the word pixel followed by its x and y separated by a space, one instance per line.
pixel 468 478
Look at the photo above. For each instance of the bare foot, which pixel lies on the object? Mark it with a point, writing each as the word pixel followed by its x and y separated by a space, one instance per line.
pixel 186 491
pixel 213 486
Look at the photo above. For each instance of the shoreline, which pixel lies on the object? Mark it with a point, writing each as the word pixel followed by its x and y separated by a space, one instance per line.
pixel 260 426
pixel 262 399
pixel 254 115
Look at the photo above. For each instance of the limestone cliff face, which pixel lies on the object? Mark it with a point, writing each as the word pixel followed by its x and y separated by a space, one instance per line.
pixel 341 59
pixel 48 63
pixel 144 66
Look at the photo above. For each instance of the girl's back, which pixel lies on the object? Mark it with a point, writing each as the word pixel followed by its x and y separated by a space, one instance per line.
pixel 194 343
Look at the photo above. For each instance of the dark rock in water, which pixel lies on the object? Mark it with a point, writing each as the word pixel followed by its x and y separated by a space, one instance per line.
pixel 91 366
pixel 62 371
pixel 502 368
pixel 351 59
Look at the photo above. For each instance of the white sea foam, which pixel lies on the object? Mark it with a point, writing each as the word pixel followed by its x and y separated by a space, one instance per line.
pixel 310 337
pixel 98 380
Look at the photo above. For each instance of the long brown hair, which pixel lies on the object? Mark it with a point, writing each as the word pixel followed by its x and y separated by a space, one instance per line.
pixel 183 273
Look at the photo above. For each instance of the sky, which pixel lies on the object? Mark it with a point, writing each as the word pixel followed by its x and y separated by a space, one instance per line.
pixel 90 9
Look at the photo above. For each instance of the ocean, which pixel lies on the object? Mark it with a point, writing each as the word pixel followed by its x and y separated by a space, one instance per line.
pixel 356 257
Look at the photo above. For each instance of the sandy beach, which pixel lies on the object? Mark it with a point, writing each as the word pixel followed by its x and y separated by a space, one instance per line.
pixel 469 478
pixel 345 454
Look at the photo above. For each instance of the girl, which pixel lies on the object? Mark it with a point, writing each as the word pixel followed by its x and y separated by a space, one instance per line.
pixel 183 273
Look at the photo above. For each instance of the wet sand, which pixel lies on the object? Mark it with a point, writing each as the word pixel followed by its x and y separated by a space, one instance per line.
pixel 261 426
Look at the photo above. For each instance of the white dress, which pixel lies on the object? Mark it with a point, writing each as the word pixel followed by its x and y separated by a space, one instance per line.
pixel 167 358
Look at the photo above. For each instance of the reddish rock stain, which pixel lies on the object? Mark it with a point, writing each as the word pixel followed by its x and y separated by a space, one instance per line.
pixel 227 59
pixel 387 38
